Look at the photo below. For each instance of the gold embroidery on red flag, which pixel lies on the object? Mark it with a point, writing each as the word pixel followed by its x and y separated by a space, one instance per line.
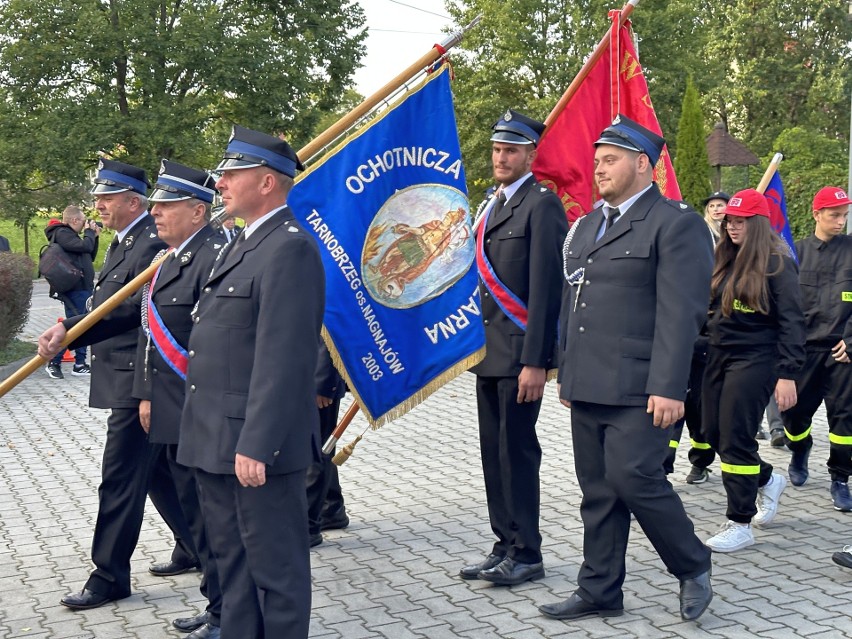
pixel 630 67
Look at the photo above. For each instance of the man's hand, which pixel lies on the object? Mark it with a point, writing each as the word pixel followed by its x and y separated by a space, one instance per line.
pixel 531 384
pixel 50 342
pixel 323 402
pixel 838 352
pixel 785 394
pixel 666 411
pixel 564 402
pixel 145 414
pixel 249 471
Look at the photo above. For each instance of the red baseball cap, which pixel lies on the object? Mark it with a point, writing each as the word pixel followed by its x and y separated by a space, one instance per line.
pixel 830 196
pixel 747 203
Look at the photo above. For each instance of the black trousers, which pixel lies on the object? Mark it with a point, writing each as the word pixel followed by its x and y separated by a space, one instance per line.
pixel 511 458
pixel 259 537
pixel 618 456
pixel 127 474
pixel 325 499
pixel 700 453
pixel 187 491
pixel 824 379
pixel 737 386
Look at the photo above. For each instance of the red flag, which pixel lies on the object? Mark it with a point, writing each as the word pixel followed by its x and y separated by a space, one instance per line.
pixel 615 84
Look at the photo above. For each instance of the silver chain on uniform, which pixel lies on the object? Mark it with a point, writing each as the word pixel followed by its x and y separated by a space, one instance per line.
pixel 146 293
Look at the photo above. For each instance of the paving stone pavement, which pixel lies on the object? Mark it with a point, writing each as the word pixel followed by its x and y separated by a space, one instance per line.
pixel 415 496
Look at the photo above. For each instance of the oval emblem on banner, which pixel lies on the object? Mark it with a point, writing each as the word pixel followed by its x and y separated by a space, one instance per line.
pixel 418 245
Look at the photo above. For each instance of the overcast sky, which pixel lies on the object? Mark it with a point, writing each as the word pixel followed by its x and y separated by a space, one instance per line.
pixel 400 31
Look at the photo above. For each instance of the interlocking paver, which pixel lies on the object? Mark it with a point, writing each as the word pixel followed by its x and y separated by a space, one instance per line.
pixel 415 494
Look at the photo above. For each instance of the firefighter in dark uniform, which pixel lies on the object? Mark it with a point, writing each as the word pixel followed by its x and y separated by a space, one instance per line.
pixel 757 341
pixel 519 238
pixel 825 279
pixel 326 508
pixel 182 199
pixel 637 273
pixel 130 466
pixel 250 423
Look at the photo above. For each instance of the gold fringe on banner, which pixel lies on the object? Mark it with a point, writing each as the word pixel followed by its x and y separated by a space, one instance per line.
pixel 403 407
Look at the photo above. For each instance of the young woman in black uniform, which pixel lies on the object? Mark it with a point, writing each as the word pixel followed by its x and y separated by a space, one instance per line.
pixel 757 338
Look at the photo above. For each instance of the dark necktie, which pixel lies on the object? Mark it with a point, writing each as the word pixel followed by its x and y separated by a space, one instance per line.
pixel 611 218
pixel 112 246
pixel 498 206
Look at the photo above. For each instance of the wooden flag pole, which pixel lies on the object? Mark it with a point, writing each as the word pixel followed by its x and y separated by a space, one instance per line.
pixel 337 129
pixel 85 324
pixel 770 171
pixel 626 10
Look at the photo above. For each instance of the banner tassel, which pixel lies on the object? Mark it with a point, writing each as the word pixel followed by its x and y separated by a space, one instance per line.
pixel 346 452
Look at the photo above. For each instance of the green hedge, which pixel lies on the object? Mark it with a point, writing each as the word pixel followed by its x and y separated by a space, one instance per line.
pixel 16 287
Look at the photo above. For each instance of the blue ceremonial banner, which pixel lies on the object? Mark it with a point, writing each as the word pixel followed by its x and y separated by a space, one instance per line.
pixel 389 210
pixel 778 211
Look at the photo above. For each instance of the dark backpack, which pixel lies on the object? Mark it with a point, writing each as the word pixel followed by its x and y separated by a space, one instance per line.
pixel 57 269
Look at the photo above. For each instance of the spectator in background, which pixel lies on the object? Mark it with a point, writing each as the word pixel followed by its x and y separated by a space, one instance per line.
pixel 229 229
pixel 4 245
pixel 81 252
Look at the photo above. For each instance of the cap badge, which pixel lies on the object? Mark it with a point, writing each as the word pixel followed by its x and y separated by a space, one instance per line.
pixel 840 195
pixel 736 201
pixel 100 165
pixel 682 205
pixel 507 116
pixel 617 120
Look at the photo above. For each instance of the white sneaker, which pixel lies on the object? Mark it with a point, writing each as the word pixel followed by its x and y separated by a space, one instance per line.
pixel 731 537
pixel 767 500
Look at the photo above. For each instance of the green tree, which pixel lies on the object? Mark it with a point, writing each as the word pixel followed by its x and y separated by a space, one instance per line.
pixel 143 80
pixel 523 55
pixel 788 64
pixel 691 163
pixel 811 161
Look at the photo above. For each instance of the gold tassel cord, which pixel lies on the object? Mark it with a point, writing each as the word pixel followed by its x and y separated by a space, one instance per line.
pixel 346 452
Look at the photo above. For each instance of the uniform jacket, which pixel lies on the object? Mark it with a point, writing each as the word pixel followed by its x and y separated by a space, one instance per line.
pixel 80 250
pixel 250 383
pixel 781 329
pixel 645 297
pixel 523 242
pixel 177 289
pixel 114 359
pixel 329 382
pixel 825 278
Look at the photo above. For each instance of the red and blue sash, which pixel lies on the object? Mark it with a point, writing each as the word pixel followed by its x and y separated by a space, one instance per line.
pixel 508 302
pixel 168 347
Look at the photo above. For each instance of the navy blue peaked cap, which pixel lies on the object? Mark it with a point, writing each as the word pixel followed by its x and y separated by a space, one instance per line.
pixel 516 128
pixel 178 182
pixel 118 177
pixel 627 134
pixel 248 149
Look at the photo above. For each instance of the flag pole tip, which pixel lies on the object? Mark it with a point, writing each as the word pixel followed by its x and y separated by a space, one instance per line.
pixel 777 158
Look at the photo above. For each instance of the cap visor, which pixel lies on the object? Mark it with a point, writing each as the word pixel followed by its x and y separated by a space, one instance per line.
pixel 624 144
pixel 509 138
pixel 106 188
pixel 231 164
pixel 159 195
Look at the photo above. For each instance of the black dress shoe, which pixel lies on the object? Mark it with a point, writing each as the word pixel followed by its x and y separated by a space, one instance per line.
pixel 170 569
pixel 510 572
pixel 336 521
pixel 472 572
pixel 86 600
pixel 575 607
pixel 206 632
pixel 695 596
pixel 316 539
pixel 188 624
